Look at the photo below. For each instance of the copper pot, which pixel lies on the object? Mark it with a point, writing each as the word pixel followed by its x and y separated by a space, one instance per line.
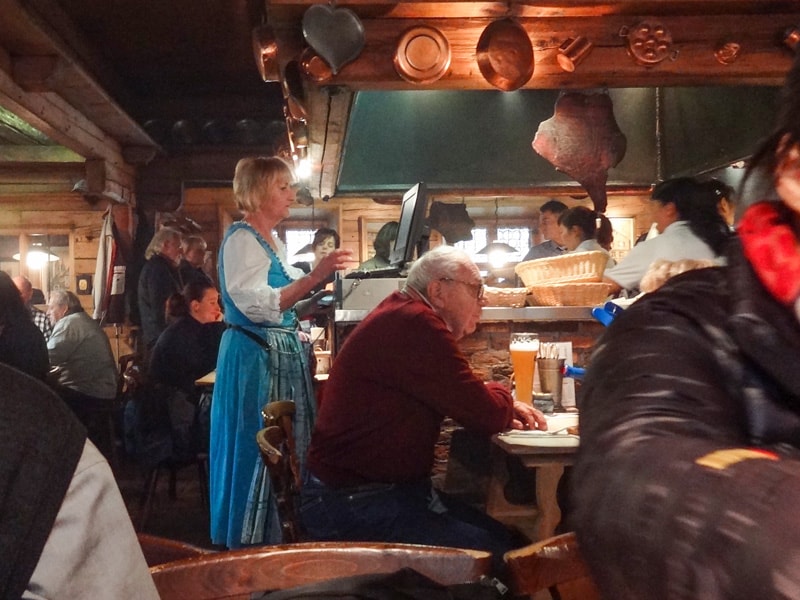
pixel 505 55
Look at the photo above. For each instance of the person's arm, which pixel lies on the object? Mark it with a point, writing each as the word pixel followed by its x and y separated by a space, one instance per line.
pixel 246 265
pixel 92 550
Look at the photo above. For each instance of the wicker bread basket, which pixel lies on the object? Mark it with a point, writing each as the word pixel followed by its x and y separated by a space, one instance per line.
pixel 576 266
pixel 569 294
pixel 513 297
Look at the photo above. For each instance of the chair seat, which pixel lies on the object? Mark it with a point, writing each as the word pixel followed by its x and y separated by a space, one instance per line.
pixel 553 564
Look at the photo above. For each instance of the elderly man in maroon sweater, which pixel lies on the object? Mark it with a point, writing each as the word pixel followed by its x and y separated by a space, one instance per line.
pixel 397 376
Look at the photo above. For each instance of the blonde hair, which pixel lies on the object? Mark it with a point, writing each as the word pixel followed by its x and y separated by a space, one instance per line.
pixel 251 174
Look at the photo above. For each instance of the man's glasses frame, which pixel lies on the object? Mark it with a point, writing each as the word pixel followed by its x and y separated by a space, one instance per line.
pixel 478 288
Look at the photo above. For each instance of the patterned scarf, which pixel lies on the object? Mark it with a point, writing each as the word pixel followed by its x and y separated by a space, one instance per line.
pixel 771 246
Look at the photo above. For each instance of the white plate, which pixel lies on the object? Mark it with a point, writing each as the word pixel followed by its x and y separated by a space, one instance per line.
pixel 541 439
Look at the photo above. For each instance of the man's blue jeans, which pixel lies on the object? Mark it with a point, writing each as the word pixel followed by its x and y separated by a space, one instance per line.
pixel 402 513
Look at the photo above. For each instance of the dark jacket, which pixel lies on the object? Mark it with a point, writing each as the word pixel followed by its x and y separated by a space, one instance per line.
pixel 668 498
pixel 22 345
pixel 158 280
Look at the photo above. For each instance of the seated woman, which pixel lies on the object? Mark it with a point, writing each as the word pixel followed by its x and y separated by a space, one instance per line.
pixel 185 351
pixel 579 231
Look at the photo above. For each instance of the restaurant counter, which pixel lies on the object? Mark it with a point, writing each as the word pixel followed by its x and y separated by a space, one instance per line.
pixel 499 313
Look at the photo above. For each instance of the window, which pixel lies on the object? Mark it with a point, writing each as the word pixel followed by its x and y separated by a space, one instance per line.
pixel 296 240
pixel 477 242
pixel 518 237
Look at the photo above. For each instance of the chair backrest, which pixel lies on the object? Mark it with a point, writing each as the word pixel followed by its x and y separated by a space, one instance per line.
pixel 553 564
pixel 277 446
pixel 238 573
pixel 159 550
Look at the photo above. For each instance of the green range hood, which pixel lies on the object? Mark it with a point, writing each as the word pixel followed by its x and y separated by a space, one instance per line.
pixel 482 139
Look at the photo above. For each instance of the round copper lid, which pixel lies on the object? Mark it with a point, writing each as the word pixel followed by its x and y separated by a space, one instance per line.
pixel 422 55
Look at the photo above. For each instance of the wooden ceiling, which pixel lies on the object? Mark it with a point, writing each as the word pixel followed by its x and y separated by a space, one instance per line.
pixel 94 89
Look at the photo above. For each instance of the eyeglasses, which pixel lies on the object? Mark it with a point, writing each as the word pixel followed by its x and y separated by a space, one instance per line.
pixel 477 288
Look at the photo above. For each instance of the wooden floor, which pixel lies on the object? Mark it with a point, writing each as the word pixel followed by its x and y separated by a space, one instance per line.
pixel 463 473
pixel 185 518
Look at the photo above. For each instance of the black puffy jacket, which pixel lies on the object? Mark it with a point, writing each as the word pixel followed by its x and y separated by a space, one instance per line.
pixel 669 499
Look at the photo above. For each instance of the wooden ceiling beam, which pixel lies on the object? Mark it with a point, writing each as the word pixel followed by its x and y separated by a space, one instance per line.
pixel 38 154
pixel 763 59
pixel 292 10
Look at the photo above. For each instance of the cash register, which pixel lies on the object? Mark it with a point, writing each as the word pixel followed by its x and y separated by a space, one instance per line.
pixel 363 290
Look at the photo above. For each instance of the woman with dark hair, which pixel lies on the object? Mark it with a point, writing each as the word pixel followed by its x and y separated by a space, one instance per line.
pixel 22 344
pixel 384 241
pixel 689 226
pixel 579 231
pixel 325 241
pixel 690 414
pixel 185 351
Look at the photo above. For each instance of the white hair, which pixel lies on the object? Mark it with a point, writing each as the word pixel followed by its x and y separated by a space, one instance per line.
pixel 161 237
pixel 441 262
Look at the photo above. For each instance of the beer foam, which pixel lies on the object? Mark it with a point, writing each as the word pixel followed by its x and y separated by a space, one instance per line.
pixel 529 345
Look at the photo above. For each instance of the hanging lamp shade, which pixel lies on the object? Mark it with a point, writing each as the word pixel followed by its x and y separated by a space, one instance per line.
pixel 497 247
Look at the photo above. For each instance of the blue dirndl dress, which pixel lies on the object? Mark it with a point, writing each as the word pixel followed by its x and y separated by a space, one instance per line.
pixel 250 374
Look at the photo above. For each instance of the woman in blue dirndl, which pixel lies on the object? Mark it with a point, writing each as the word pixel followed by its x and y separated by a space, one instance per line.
pixel 261 357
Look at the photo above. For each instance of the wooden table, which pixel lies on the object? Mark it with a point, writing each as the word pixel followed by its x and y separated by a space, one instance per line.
pixel 549 462
pixel 207 379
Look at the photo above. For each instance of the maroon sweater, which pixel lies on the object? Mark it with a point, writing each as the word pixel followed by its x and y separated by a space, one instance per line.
pixel 399 373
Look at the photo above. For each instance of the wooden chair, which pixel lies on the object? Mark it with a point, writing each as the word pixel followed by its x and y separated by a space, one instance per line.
pixel 238 573
pixel 277 446
pixel 159 550
pixel 554 564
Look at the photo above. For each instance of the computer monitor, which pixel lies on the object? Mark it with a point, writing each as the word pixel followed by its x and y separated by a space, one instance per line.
pixel 411 232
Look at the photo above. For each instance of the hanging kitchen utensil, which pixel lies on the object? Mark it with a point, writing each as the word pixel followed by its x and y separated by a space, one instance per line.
pixel 583 140
pixel 336 34
pixel 505 55
pixel 314 67
pixel 649 43
pixel 265 52
pixel 293 91
pixel 422 55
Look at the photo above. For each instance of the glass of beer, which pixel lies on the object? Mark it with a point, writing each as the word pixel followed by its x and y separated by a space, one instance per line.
pixel 523 349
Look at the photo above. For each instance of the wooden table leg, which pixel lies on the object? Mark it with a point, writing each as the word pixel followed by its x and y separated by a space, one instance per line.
pixel 547 478
pixel 496 504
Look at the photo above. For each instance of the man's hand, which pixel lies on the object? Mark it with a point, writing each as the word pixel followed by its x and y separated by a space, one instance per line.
pixel 527 417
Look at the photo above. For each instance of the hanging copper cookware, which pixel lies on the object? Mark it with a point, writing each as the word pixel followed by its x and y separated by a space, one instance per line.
pixel 505 55
pixel 422 55
pixel 265 52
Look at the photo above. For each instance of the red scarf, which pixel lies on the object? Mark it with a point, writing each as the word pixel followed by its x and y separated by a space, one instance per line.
pixel 771 246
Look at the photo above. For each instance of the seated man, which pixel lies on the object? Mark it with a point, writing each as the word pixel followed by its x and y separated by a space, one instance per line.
pixel 39 317
pixel 65 529
pixel 83 370
pixel 393 382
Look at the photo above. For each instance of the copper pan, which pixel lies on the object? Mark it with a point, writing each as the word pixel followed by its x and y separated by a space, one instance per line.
pixel 505 55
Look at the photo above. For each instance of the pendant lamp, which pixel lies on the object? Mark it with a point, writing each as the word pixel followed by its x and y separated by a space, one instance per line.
pixel 497 252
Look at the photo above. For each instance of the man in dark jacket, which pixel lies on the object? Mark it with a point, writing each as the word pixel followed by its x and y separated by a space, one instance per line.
pixel 158 280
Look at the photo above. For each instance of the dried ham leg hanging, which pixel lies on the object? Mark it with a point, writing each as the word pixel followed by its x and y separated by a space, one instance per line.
pixel 583 140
